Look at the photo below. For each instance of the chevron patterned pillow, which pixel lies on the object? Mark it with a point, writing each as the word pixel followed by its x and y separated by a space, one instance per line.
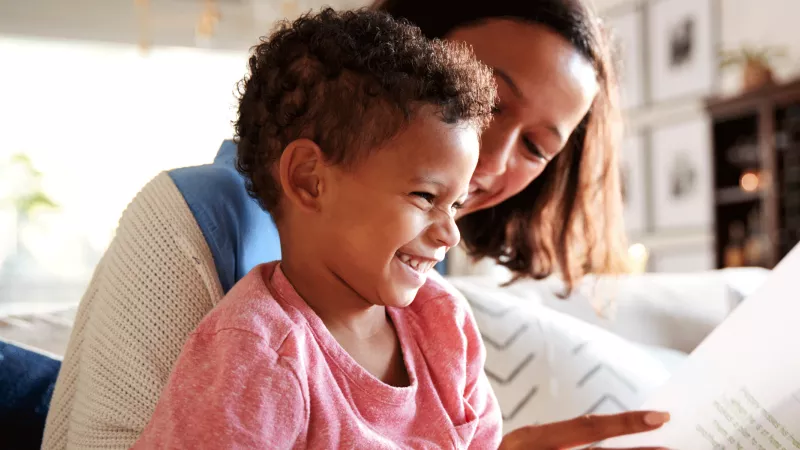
pixel 546 366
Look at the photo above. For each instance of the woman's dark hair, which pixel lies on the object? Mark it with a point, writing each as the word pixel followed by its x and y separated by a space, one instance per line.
pixel 568 220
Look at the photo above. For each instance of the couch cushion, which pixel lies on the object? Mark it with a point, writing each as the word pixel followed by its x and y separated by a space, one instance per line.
pixel 44 331
pixel 545 366
pixel 27 379
pixel 239 233
pixel 676 311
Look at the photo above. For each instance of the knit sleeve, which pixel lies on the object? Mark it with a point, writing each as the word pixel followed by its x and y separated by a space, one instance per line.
pixel 228 390
pixel 152 287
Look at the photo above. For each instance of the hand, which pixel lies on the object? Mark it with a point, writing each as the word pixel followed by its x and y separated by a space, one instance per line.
pixel 583 431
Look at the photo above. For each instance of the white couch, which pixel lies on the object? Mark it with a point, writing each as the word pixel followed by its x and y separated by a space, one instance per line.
pixel 548 358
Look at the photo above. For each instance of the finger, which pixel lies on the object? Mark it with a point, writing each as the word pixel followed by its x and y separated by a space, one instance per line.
pixel 588 430
pixel 637 448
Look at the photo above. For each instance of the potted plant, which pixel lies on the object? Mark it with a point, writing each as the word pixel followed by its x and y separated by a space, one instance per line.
pixel 22 194
pixel 756 64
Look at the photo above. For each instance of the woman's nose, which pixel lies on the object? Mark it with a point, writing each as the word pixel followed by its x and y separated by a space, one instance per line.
pixel 497 147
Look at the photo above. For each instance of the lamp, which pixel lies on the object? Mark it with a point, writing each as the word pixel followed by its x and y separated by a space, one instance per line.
pixel 143 17
pixel 638 256
pixel 289 8
pixel 207 24
pixel 750 181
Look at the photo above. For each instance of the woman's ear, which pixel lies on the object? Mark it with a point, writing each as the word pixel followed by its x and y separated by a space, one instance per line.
pixel 301 171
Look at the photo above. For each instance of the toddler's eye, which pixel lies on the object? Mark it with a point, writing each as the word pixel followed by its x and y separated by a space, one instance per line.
pixel 427 196
pixel 457 205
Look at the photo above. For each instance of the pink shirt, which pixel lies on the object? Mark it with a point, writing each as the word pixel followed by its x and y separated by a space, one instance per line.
pixel 262 371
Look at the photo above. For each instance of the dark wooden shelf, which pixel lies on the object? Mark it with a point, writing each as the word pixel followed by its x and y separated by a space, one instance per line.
pixel 776 95
pixel 757 118
pixel 734 195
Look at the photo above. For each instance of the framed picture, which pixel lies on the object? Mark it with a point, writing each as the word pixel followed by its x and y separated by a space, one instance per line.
pixel 626 29
pixel 682 179
pixel 682 48
pixel 633 180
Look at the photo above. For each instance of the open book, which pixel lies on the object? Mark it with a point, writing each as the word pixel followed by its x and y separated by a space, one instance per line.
pixel 740 389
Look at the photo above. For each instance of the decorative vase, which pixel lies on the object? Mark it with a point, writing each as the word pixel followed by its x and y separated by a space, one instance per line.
pixel 755 75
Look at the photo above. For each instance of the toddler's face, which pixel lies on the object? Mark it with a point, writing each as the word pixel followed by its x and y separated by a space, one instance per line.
pixel 390 217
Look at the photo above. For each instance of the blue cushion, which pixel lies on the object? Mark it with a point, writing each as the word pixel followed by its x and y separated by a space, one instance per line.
pixel 27 380
pixel 239 233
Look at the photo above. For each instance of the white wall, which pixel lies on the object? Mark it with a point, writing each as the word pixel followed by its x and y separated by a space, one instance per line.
pixel 99 121
pixel 169 22
pixel 752 22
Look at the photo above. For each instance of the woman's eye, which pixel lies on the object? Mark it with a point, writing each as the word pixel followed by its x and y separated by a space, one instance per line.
pixel 427 196
pixel 496 109
pixel 535 151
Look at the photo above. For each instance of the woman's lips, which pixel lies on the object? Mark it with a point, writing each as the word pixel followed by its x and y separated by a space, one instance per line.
pixel 480 199
pixel 478 190
pixel 474 187
pixel 476 193
pixel 472 199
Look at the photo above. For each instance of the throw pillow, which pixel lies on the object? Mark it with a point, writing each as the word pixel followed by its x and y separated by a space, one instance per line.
pixel 545 366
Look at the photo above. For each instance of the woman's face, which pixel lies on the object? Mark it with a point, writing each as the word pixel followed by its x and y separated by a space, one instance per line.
pixel 545 89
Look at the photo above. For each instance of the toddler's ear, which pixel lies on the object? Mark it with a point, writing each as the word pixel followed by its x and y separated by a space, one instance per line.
pixel 301 169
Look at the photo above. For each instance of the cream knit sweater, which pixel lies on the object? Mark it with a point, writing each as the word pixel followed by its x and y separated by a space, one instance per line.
pixel 154 284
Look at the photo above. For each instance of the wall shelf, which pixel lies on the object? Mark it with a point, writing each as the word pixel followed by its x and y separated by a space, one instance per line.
pixel 756 135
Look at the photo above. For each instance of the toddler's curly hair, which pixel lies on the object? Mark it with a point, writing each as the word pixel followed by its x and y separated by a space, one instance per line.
pixel 349 81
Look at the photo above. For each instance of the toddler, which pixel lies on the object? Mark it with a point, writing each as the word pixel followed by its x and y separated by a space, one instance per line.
pixel 359 136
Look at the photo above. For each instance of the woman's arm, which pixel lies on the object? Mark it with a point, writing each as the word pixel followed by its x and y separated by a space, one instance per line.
pixel 154 284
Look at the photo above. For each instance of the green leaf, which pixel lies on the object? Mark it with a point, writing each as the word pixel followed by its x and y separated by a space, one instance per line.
pixel 25 161
pixel 26 204
pixel 749 54
pixel 21 158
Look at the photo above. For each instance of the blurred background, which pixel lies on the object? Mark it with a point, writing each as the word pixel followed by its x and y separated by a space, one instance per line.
pixel 98 96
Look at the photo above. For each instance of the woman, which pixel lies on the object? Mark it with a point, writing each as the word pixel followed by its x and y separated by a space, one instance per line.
pixel 544 198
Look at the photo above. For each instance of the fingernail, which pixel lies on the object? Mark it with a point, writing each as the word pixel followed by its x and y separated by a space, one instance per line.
pixel 655 419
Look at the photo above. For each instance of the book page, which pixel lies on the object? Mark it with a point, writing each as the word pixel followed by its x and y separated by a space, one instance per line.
pixel 740 389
